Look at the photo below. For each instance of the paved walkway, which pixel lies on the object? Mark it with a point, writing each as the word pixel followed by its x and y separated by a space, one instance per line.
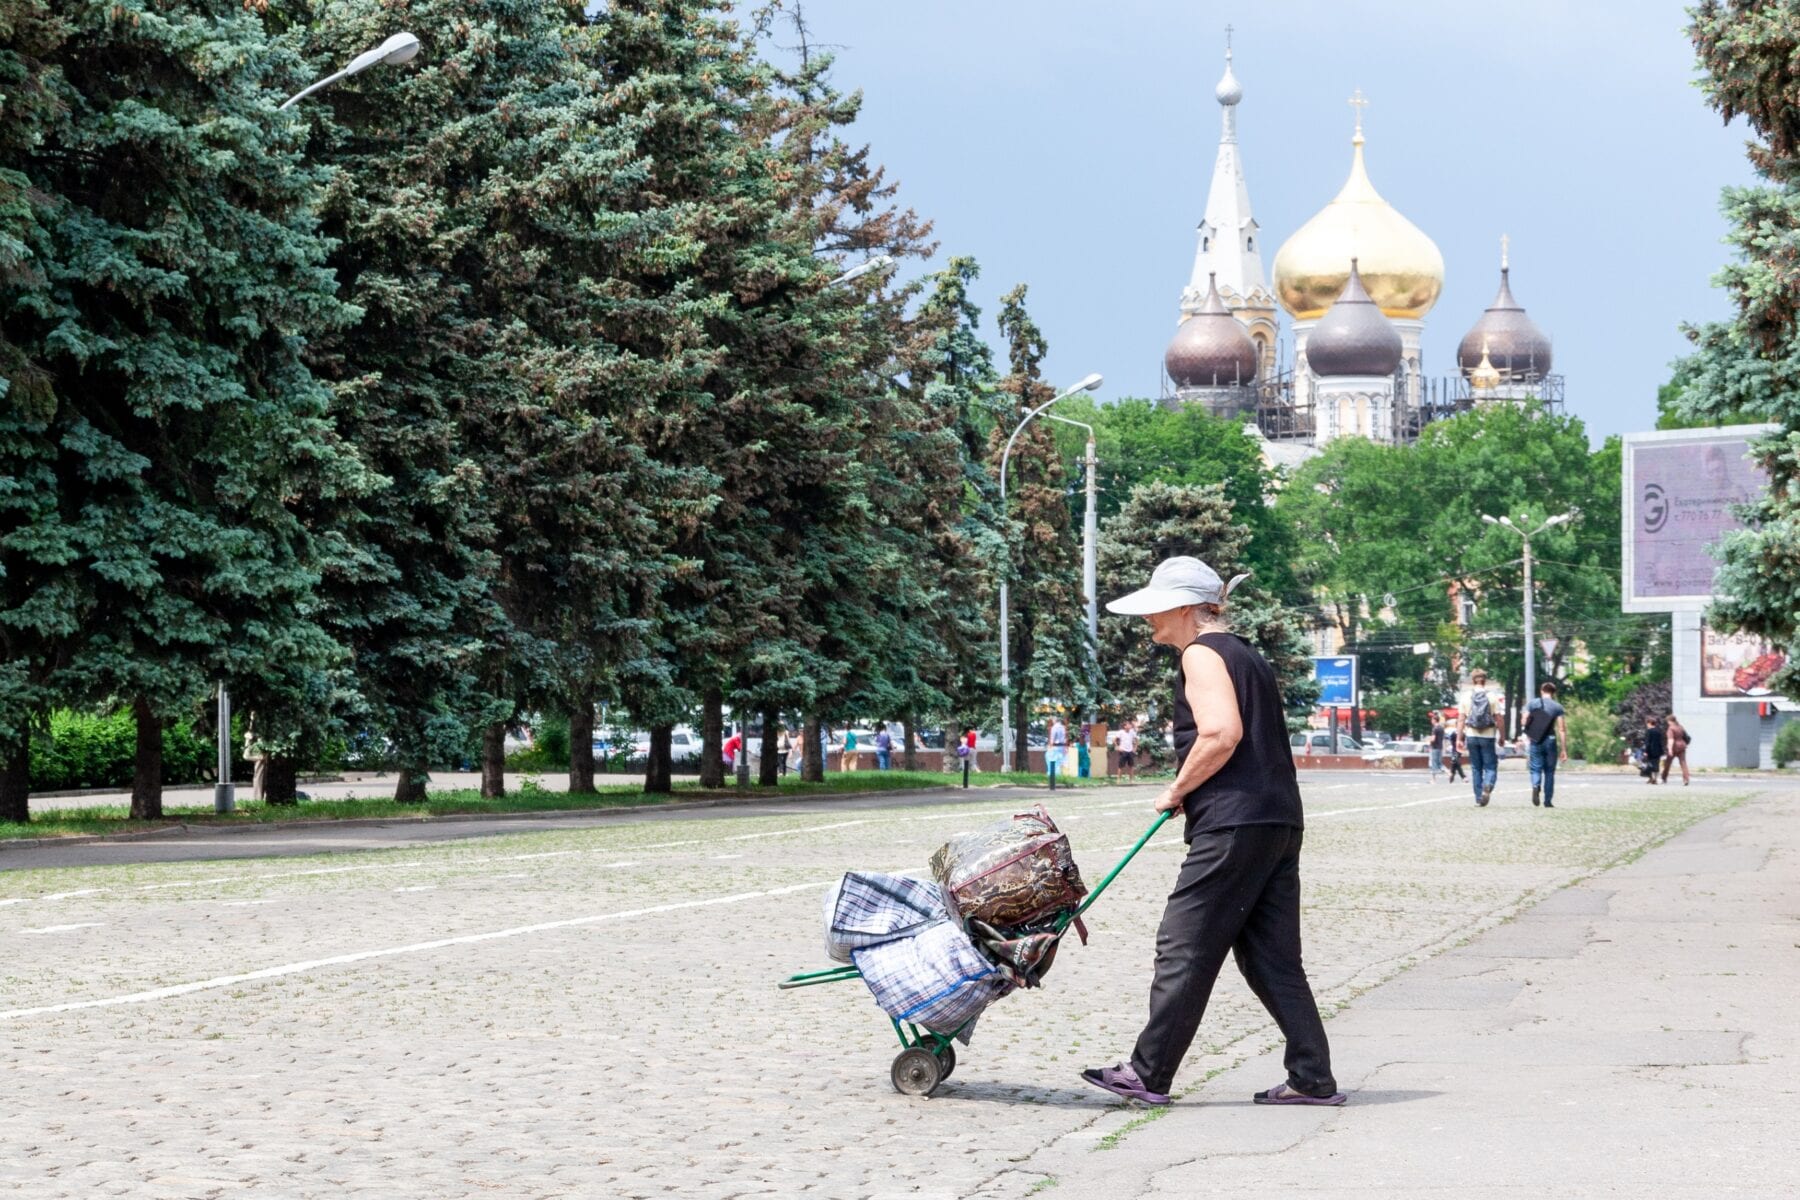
pixel 1631 1035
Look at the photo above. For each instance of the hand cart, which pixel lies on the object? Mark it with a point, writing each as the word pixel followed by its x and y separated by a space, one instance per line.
pixel 926 1059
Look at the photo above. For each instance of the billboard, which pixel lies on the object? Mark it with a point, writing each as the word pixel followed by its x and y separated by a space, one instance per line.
pixel 1336 677
pixel 1681 491
pixel 1736 665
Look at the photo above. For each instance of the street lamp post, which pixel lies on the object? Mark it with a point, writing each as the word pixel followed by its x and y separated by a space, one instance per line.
pixel 401 48
pixel 1086 385
pixel 1530 643
pixel 880 262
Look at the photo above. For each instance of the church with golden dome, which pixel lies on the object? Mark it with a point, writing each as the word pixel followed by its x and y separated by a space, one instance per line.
pixel 1358 282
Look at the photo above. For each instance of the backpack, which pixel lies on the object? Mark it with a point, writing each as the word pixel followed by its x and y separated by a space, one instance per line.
pixel 1538 722
pixel 1481 711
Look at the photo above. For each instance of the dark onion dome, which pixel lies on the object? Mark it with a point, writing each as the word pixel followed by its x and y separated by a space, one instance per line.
pixel 1211 348
pixel 1515 346
pixel 1353 337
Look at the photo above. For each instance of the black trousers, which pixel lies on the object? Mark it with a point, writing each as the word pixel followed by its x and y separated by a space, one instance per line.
pixel 1239 890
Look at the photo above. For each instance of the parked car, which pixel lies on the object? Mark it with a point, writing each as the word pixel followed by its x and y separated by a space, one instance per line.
pixel 1318 741
pixel 684 745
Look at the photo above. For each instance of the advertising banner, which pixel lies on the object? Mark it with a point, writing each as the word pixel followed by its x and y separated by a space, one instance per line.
pixel 1682 490
pixel 1736 665
pixel 1336 676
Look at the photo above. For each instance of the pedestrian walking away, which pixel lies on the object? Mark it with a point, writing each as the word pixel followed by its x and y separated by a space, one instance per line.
pixel 1546 742
pixel 1437 747
pixel 1056 749
pixel 784 749
pixel 1128 751
pixel 1083 763
pixel 1677 739
pixel 1480 719
pixel 851 757
pixel 1653 746
pixel 884 749
pixel 1238 890
pixel 1453 756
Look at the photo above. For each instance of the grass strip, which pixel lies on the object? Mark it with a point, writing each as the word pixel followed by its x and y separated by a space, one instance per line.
pixel 527 797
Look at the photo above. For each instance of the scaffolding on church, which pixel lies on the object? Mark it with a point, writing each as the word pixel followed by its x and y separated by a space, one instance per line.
pixel 1284 413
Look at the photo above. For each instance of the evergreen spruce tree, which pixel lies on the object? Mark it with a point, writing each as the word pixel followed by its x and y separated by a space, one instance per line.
pixel 967 548
pixel 159 278
pixel 1750 53
pixel 1161 520
pixel 1051 658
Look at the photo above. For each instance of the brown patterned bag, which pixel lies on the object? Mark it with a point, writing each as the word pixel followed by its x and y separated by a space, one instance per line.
pixel 1012 874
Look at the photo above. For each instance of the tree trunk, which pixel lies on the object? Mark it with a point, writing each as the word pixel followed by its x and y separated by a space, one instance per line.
pixel 15 779
pixel 410 787
pixel 146 776
pixel 1021 739
pixel 658 770
pixel 907 761
pixel 493 761
pixel 281 780
pixel 812 755
pixel 712 739
pixel 581 749
pixel 770 773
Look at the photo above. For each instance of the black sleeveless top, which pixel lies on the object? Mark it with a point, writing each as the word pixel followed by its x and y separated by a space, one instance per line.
pixel 1257 784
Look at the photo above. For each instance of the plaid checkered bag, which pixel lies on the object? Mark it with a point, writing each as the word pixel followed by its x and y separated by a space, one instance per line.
pixel 936 979
pixel 866 909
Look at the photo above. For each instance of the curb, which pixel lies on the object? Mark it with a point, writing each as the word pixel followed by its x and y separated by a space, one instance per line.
pixel 204 828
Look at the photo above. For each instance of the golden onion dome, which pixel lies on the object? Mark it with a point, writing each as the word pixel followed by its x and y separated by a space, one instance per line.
pixel 1401 267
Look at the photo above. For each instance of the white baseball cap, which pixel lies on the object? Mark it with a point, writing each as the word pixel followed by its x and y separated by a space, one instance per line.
pixel 1176 583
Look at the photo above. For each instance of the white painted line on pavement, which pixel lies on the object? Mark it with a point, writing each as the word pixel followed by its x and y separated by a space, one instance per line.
pixel 1330 812
pixel 422 887
pixel 338 960
pixel 64 928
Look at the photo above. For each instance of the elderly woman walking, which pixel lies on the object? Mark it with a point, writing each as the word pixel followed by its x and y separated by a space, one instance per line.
pixel 1239 886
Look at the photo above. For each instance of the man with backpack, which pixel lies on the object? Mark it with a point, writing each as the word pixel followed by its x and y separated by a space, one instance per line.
pixel 1481 730
pixel 1547 738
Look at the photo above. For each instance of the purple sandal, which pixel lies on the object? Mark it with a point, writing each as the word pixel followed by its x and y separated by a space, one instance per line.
pixel 1281 1093
pixel 1123 1080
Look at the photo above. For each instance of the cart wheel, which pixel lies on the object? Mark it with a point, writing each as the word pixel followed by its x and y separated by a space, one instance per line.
pixel 916 1072
pixel 946 1061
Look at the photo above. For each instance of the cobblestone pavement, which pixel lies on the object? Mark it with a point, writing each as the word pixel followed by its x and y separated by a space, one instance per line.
pixel 592 1013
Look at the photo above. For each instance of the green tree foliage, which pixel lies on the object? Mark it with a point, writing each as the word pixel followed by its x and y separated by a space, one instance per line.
pixel 163 430
pixel 1141 441
pixel 1162 520
pixel 1373 521
pixel 1749 51
pixel 1051 656
pixel 955 370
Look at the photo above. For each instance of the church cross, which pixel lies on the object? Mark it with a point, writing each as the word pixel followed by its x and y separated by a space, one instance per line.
pixel 1228 39
pixel 1504 242
pixel 1358 103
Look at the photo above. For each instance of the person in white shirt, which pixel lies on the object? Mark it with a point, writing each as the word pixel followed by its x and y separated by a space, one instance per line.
pixel 1479 720
pixel 1127 742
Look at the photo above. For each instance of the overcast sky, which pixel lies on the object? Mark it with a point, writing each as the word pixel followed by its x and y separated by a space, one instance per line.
pixel 1068 145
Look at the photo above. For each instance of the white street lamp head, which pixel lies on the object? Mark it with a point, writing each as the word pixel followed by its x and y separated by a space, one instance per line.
pixel 1558 519
pixel 1088 384
pixel 398 49
pixel 401 48
pixel 1489 520
pixel 880 262
pixel 1506 521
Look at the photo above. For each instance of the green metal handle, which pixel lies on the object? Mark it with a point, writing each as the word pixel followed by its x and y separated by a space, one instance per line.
pixel 809 978
pixel 1065 921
